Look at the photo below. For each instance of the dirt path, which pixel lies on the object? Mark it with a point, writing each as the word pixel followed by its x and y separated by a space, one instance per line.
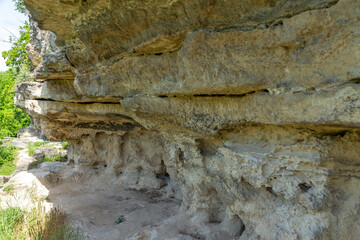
pixel 23 160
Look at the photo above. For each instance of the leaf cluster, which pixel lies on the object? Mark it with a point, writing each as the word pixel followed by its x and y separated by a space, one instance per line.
pixel 20 6
pixel 7 157
pixel 11 117
pixel 16 57
pixel 7 154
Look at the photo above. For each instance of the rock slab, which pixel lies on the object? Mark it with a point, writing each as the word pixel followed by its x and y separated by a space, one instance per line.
pixel 246 111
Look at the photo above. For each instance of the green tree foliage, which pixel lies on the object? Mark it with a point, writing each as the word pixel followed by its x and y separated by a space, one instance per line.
pixel 20 6
pixel 16 57
pixel 11 117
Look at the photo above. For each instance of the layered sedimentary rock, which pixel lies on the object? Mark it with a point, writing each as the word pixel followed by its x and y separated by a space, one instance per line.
pixel 247 111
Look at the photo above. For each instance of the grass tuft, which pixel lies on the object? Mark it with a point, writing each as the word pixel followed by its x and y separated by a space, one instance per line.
pixel 36 224
pixel 10 219
pixel 33 146
pixel 7 169
pixel 56 158
pixel 52 225
pixel 8 189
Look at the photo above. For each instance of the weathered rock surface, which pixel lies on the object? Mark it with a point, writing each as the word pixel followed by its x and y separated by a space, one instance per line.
pixel 246 111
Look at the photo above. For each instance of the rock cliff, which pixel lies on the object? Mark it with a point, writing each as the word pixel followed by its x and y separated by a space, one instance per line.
pixel 248 111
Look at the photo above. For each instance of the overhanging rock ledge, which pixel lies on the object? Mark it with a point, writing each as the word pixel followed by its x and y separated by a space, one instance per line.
pixel 246 111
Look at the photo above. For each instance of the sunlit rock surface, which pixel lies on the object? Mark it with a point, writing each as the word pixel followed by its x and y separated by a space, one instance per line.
pixel 246 111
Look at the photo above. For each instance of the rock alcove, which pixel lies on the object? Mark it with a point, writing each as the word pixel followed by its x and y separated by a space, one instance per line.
pixel 244 113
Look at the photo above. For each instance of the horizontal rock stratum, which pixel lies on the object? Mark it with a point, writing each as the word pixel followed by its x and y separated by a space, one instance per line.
pixel 248 111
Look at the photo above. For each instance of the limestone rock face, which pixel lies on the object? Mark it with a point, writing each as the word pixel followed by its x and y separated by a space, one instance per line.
pixel 246 111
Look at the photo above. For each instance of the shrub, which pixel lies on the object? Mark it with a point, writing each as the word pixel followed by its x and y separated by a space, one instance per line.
pixel 7 157
pixel 7 154
pixel 65 145
pixel 11 117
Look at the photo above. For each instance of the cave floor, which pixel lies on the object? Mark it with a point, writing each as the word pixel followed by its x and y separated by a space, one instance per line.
pixel 100 209
pixel 113 213
pixel 116 212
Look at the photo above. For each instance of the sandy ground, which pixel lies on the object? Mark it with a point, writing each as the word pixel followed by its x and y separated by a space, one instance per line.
pixel 95 209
